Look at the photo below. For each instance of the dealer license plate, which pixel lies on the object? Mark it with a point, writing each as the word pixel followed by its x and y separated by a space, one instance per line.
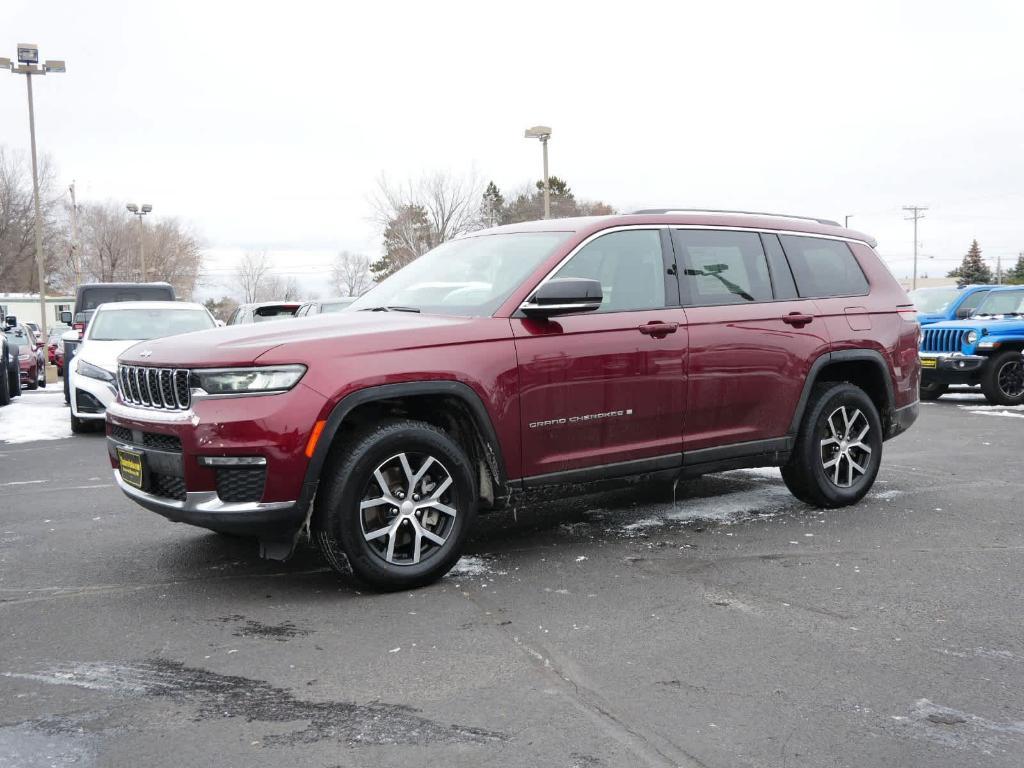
pixel 131 467
pixel 929 362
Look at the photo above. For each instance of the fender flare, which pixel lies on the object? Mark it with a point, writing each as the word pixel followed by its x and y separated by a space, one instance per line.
pixel 456 389
pixel 844 356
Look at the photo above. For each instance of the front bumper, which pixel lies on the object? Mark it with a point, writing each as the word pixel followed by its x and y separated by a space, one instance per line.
pixel 273 507
pixel 954 368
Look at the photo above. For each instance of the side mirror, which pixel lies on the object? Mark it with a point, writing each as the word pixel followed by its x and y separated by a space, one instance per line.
pixel 563 296
pixel 11 321
pixel 963 314
pixel 65 317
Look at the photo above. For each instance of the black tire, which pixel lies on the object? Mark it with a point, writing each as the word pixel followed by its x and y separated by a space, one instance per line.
pixel 5 384
pixel 1002 378
pixel 805 473
pixel 349 479
pixel 79 426
pixel 933 390
pixel 42 376
pixel 14 383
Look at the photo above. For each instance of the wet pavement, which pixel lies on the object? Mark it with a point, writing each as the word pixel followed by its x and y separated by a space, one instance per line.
pixel 718 622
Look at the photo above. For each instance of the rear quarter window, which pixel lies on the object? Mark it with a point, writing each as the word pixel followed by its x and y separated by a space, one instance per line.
pixel 823 268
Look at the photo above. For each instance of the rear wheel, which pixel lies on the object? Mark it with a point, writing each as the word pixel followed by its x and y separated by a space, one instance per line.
pixel 1002 379
pixel 838 449
pixel 933 390
pixel 396 505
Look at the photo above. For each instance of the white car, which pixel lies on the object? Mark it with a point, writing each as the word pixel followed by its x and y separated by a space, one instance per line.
pixel 113 329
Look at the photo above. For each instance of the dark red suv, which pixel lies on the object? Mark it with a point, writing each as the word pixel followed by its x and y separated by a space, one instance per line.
pixel 547 352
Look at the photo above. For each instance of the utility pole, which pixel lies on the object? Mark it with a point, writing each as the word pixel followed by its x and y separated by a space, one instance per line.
pixel 999 269
pixel 846 220
pixel 28 65
pixel 76 263
pixel 917 212
pixel 139 213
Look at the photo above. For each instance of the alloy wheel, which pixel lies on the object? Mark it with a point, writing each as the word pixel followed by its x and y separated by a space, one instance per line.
pixel 1011 378
pixel 844 454
pixel 407 515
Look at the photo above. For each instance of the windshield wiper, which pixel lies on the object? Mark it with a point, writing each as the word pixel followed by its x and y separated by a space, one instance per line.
pixel 390 308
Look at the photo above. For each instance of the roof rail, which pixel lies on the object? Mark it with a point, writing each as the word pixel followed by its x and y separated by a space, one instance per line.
pixel 829 222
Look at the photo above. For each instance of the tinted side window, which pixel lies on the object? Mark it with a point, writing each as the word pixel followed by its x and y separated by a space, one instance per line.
pixel 629 266
pixel 824 267
pixel 719 267
pixel 972 301
pixel 782 277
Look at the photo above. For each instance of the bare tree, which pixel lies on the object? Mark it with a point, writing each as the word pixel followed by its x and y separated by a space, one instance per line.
pixel 351 274
pixel 418 215
pixel 251 275
pixel 18 270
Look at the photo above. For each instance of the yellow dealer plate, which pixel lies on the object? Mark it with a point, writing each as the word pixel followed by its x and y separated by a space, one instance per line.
pixel 929 362
pixel 131 467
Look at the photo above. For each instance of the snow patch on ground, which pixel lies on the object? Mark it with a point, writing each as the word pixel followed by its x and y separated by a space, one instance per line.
pixel 1011 411
pixel 470 566
pixel 34 416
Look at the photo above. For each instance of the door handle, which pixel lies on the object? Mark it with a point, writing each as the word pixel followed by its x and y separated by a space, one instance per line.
pixel 797 319
pixel 658 329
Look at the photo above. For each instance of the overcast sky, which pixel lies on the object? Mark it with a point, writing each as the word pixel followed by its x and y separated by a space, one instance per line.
pixel 266 124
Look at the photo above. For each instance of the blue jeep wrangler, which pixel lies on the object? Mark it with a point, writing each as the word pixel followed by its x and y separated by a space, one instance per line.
pixel 984 349
pixel 947 302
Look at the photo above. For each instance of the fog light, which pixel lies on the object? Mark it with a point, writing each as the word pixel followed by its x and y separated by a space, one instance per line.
pixel 232 461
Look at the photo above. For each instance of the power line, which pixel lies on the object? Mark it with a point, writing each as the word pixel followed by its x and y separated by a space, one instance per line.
pixel 917 212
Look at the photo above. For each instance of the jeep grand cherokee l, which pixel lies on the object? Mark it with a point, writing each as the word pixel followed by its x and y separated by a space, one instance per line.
pixel 521 356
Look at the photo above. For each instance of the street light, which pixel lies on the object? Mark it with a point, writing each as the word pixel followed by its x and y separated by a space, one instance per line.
pixel 139 213
pixel 543 133
pixel 28 65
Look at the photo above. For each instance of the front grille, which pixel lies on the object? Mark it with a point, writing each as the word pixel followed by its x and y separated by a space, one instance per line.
pixel 942 339
pixel 241 484
pixel 168 486
pixel 121 433
pixel 164 388
pixel 161 442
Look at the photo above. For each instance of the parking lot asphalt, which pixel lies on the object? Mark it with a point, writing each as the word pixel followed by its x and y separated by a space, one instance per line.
pixel 717 623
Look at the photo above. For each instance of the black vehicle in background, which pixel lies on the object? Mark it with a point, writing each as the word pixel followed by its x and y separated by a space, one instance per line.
pixel 90 296
pixel 266 310
pixel 10 372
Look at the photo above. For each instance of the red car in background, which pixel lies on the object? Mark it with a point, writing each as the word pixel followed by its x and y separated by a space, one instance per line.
pixel 31 363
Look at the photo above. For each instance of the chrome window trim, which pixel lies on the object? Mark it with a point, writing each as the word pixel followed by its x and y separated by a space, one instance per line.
pixel 656 227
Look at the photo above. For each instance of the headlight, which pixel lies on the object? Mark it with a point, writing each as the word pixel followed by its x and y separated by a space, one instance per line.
pixel 93 371
pixel 238 381
pixel 25 358
pixel 971 337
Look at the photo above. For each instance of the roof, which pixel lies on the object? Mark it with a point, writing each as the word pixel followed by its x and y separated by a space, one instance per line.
pixel 586 225
pixel 118 305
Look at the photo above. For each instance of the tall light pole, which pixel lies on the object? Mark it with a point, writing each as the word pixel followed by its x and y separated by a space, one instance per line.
pixel 139 213
pixel 846 221
pixel 28 65
pixel 76 264
pixel 543 133
pixel 916 213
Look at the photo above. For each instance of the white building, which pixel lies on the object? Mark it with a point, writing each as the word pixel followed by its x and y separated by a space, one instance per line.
pixel 25 307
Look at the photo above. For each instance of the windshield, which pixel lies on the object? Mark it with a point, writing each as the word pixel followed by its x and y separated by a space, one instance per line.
pixel 19 337
pixel 142 324
pixel 934 300
pixel 469 277
pixel 1002 303
pixel 334 306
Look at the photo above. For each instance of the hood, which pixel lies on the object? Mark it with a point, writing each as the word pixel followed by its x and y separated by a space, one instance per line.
pixel 927 318
pixel 239 345
pixel 991 324
pixel 103 354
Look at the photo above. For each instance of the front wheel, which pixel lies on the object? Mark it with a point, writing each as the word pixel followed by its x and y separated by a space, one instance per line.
pixel 838 448
pixel 78 426
pixel 397 505
pixel 5 384
pixel 41 375
pixel 1002 380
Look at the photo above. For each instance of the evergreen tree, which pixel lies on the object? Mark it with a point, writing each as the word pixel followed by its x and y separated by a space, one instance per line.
pixel 972 270
pixel 406 238
pixel 1016 275
pixel 491 206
